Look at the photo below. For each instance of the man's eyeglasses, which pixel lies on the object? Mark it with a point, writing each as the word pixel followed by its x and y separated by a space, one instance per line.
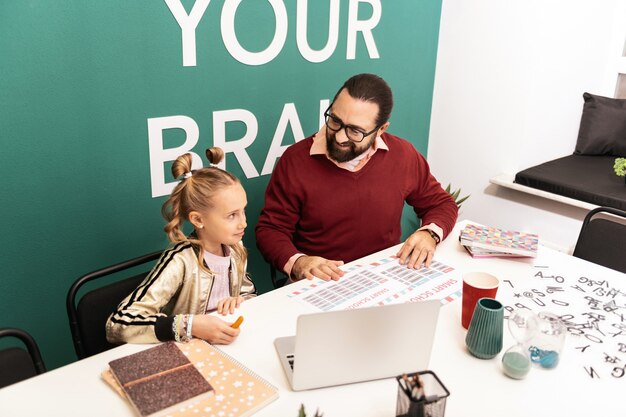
pixel 354 134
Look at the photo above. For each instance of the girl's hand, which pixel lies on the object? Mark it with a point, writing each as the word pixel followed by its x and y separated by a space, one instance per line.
pixel 228 305
pixel 213 329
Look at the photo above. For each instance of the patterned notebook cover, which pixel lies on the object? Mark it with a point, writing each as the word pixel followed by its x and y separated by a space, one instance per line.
pixel 238 391
pixel 157 379
pixel 485 253
pixel 499 240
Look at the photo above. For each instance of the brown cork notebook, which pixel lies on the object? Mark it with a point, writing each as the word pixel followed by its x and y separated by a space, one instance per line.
pixel 158 380
pixel 238 391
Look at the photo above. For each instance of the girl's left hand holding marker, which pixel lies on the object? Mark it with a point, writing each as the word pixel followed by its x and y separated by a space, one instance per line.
pixel 213 329
pixel 228 305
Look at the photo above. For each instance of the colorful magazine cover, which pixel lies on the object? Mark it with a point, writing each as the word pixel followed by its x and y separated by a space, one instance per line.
pixel 494 240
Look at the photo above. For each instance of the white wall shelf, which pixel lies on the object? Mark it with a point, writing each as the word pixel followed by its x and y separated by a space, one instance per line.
pixel 507 181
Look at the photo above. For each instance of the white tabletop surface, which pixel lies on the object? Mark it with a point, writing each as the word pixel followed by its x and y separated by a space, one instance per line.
pixel 478 387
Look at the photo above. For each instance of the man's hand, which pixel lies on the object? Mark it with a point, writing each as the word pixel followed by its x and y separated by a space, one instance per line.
pixel 316 266
pixel 417 249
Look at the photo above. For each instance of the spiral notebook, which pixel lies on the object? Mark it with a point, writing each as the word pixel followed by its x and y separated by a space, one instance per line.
pixel 158 380
pixel 237 391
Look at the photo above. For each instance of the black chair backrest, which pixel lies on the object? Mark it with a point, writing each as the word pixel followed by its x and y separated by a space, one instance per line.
pixel 277 281
pixel 602 240
pixel 88 318
pixel 17 364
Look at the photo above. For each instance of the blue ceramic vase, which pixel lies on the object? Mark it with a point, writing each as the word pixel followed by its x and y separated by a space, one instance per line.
pixel 484 335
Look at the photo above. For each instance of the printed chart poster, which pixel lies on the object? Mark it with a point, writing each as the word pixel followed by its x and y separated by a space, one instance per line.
pixel 382 282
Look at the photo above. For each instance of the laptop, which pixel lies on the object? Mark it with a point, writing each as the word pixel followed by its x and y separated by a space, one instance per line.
pixel 346 346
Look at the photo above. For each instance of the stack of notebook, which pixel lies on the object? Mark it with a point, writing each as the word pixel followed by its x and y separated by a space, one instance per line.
pixel 191 379
pixel 486 242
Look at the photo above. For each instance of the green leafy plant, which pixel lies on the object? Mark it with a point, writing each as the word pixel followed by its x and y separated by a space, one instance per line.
pixel 302 413
pixel 414 224
pixel 455 195
pixel 620 167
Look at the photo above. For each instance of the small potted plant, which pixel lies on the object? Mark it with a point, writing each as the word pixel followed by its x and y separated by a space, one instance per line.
pixel 620 167
pixel 456 195
pixel 302 413
pixel 414 223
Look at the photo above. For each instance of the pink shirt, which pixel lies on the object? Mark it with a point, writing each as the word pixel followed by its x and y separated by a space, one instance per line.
pixel 319 148
pixel 219 265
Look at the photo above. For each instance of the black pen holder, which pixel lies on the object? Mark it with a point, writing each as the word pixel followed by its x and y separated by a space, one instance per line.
pixel 432 404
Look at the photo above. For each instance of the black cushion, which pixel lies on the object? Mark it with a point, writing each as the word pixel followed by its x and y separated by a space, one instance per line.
pixel 95 307
pixel 16 365
pixel 582 177
pixel 602 127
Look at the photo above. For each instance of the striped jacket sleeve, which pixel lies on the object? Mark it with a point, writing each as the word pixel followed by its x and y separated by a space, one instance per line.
pixel 138 318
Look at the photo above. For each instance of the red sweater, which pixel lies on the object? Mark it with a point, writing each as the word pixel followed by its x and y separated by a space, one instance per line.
pixel 316 208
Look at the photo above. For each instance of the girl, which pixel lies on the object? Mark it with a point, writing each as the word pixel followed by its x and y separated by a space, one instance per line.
pixel 200 273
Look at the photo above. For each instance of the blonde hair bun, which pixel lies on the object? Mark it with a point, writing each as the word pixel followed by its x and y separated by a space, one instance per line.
pixel 215 155
pixel 181 165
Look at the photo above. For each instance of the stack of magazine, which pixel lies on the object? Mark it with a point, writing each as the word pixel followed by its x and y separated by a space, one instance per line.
pixel 487 242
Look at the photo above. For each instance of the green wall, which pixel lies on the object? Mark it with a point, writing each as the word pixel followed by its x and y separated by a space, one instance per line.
pixel 79 81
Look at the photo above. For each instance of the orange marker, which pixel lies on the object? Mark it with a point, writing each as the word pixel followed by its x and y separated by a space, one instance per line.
pixel 237 323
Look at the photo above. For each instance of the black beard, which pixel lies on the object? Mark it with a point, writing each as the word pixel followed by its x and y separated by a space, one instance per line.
pixel 342 154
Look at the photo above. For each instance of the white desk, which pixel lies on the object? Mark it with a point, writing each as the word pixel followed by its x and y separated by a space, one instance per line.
pixel 478 387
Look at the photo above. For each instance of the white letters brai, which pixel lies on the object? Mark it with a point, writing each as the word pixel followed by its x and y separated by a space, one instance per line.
pixel 160 155
pixel 189 22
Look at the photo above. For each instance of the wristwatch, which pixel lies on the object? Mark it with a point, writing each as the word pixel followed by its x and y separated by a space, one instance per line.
pixel 434 236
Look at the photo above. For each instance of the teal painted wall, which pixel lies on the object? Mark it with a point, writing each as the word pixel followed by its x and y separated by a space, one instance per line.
pixel 79 81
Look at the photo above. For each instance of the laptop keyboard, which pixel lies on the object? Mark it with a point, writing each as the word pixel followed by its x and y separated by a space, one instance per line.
pixel 291 359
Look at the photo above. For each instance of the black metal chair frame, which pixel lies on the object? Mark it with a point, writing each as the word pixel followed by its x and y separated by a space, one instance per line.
pixel 71 302
pixel 29 342
pixel 579 250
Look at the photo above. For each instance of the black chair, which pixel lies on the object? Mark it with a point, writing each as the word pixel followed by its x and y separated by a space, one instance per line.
pixel 17 364
pixel 602 239
pixel 276 281
pixel 88 318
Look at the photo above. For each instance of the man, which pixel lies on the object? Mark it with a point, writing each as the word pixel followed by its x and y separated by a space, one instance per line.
pixel 338 195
